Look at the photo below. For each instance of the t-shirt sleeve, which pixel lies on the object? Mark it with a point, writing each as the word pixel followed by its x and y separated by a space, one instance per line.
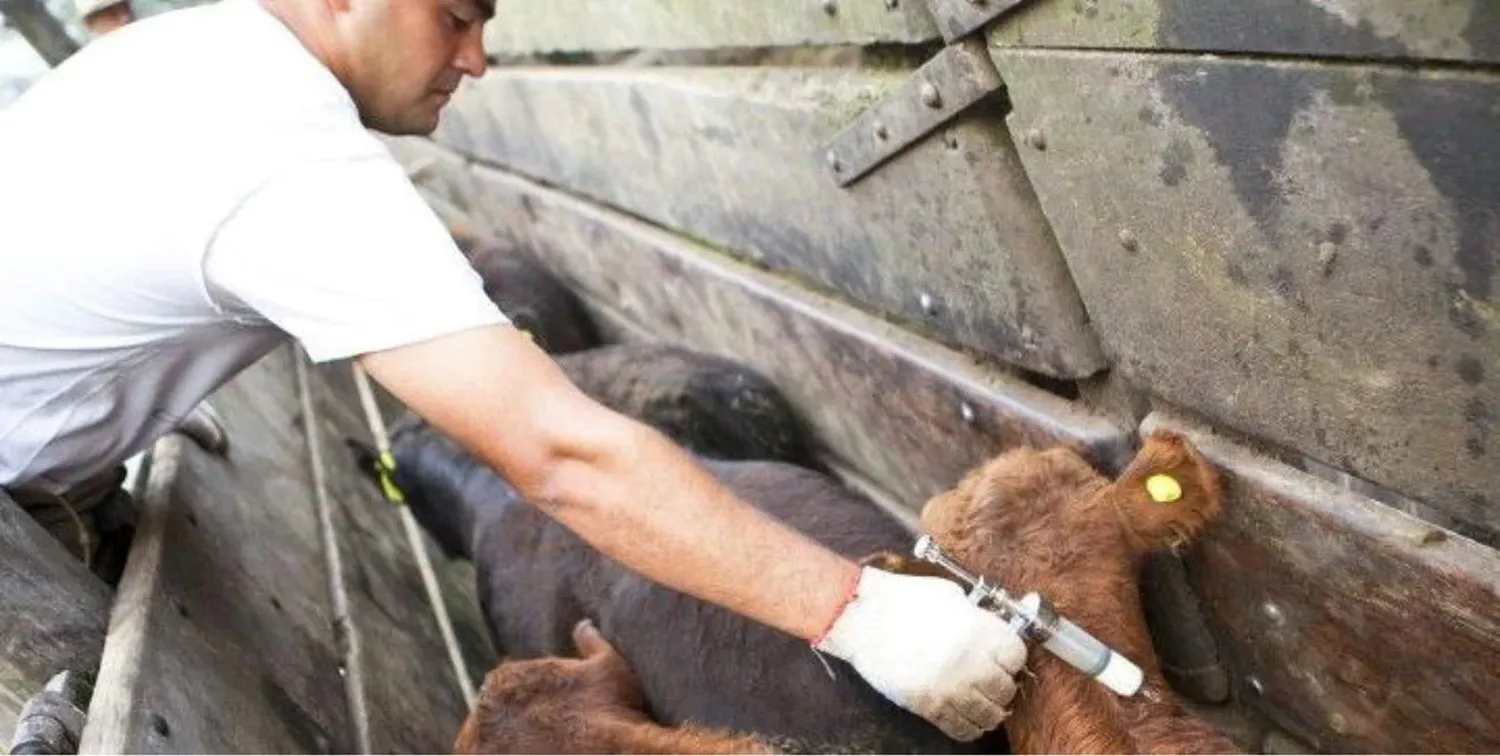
pixel 347 258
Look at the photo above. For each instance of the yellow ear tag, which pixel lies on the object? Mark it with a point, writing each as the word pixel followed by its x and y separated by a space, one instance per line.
pixel 1164 489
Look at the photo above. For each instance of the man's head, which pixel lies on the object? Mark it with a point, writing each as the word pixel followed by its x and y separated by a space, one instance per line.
pixel 104 16
pixel 399 59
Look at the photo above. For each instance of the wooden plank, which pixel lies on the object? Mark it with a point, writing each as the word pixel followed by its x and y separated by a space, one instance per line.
pixel 1307 253
pixel 583 25
pixel 947 238
pixel 1362 628
pixel 220 638
pixel 41 29
pixel 413 702
pixel 1459 30
pixel 53 612
pixel 875 395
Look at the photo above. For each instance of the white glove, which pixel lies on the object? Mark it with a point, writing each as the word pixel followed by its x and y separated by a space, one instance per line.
pixel 921 643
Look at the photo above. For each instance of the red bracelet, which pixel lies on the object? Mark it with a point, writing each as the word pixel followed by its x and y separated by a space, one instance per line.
pixel 839 611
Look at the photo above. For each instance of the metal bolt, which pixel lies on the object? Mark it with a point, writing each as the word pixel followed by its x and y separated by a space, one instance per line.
pixel 931 97
pixel 1036 139
pixel 1256 685
pixel 1128 240
pixel 881 132
pixel 833 162
pixel 1273 612
pixel 831 7
pixel 928 305
pixel 967 412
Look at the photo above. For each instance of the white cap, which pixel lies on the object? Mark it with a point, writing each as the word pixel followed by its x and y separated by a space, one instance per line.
pixel 1121 675
pixel 88 8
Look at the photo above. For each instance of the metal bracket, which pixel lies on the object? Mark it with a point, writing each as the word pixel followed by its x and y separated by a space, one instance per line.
pixel 956 78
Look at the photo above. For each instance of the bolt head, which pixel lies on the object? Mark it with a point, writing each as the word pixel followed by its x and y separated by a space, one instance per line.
pixel 930 95
pixel 1036 139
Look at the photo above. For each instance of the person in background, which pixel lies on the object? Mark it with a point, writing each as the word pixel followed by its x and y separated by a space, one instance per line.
pixel 101 17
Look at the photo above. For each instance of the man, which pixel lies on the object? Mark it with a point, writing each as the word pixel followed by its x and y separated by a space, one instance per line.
pixel 253 205
pixel 101 17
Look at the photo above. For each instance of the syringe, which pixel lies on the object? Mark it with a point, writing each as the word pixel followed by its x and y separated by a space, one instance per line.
pixel 1034 618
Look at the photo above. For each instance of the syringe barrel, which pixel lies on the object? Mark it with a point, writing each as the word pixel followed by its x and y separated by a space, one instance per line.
pixel 1080 650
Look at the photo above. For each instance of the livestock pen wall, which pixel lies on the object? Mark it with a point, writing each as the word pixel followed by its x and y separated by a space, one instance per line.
pixel 949 228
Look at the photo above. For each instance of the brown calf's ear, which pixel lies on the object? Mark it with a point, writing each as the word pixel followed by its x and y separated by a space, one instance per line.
pixel 1169 493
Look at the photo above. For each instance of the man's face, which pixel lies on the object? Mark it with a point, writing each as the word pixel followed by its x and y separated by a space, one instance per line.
pixel 407 56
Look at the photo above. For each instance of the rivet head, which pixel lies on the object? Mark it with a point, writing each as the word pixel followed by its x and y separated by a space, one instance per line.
pixel 881 132
pixel 1036 139
pixel 831 7
pixel 1256 685
pixel 928 305
pixel 966 411
pixel 1273 613
pixel 930 95
pixel 1128 240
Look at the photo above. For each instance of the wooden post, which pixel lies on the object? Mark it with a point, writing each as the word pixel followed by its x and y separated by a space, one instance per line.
pixel 53 612
pixel 45 33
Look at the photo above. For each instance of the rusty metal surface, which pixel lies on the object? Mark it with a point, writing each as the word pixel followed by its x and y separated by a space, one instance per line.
pixel 958 18
pixel 1307 253
pixel 1456 30
pixel 588 25
pixel 947 237
pixel 1356 626
pixel 912 416
pixel 955 79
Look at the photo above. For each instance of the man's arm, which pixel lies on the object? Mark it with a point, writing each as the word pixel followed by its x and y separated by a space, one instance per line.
pixel 645 503
pixel 617 483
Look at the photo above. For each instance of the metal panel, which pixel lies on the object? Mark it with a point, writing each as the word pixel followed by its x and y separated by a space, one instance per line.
pixel 1304 252
pixel 912 416
pixel 534 26
pixel 1462 30
pixel 947 237
pixel 1359 627
pixel 957 78
pixel 958 18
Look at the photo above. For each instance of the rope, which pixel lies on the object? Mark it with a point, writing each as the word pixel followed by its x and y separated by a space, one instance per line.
pixel 386 466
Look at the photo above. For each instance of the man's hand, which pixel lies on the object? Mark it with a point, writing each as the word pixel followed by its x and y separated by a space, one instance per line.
pixel 921 643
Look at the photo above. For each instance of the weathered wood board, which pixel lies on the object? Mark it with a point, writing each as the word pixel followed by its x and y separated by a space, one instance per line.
pixel 910 414
pixel 534 26
pixel 413 700
pixel 1356 626
pixel 1461 30
pixel 53 612
pixel 220 638
pixel 1307 253
pixel 947 238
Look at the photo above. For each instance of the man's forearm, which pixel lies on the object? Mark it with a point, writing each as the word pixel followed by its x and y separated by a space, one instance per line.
pixel 651 507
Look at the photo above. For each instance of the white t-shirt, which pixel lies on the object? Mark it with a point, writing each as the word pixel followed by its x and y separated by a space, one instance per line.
pixel 175 200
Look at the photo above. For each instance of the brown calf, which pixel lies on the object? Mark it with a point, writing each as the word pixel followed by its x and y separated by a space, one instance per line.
pixel 1046 521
